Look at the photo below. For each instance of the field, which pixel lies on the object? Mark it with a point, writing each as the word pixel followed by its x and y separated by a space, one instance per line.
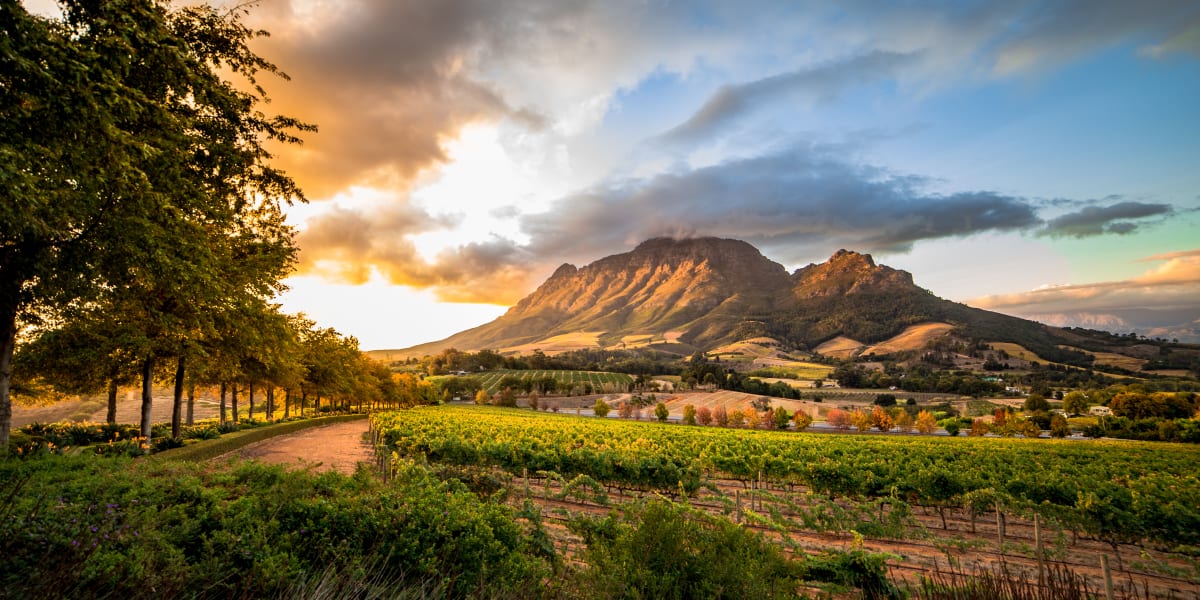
pixel 913 337
pixel 1109 359
pixel 971 502
pixel 600 382
pixel 580 340
pixel 839 347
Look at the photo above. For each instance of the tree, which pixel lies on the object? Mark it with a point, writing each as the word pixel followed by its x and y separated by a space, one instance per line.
pixel 601 408
pixel 926 423
pixel 802 420
pixel 737 418
pixel 1075 403
pixel 979 427
pixel 661 412
pixel 1035 403
pixel 533 400
pixel 482 397
pixel 721 416
pixel 624 410
pixel 750 416
pixel 903 421
pixel 689 414
pixel 781 417
pixel 130 162
pixel 838 418
pixel 881 419
pixel 704 415
pixel 861 420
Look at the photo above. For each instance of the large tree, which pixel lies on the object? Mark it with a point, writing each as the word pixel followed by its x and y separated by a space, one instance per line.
pixel 133 159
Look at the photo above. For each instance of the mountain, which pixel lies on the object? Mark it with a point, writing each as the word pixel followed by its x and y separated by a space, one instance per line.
pixel 703 293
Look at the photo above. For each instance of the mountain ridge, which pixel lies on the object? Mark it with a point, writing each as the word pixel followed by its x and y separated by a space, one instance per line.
pixel 706 292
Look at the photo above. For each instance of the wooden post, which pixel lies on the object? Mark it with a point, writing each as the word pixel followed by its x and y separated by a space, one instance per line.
pixel 1037 542
pixel 1108 584
pixel 1000 532
pixel 737 498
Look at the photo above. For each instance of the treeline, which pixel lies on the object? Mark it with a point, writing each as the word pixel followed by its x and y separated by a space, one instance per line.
pixel 632 362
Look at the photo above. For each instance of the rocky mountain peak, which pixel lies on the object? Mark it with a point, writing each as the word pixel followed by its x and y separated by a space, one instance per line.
pixel 848 272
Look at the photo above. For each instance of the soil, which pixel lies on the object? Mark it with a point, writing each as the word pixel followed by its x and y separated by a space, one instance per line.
pixel 338 447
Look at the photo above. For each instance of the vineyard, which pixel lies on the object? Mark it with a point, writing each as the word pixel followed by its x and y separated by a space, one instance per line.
pixel 566 381
pixel 955 500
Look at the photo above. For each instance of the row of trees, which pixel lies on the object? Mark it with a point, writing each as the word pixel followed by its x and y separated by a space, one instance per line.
pixel 142 233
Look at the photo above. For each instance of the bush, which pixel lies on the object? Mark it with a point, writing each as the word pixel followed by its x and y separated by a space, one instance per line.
pixel 120 528
pixel 952 427
pixel 601 408
pixel 885 400
pixel 663 550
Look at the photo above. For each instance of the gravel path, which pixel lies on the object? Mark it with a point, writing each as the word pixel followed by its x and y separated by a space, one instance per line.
pixel 338 447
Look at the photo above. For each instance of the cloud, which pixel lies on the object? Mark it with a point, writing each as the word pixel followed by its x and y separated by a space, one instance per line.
pixel 798 202
pixel 1048 35
pixel 1175 284
pixel 350 246
pixel 1097 220
pixel 822 82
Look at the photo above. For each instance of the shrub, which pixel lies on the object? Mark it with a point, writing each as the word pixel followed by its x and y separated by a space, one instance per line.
pixel 885 400
pixel 600 408
pixel 952 427
pixel 661 412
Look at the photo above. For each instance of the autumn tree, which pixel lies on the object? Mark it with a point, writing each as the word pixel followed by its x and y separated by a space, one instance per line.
pixel 721 416
pixel 482 397
pixel 881 419
pixel 704 415
pixel 861 420
pixel 903 421
pixel 926 423
pixel 750 416
pixel 802 420
pixel 837 418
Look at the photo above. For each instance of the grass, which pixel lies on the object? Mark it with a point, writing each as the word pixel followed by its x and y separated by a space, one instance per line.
pixel 209 449
pixel 839 347
pixel 915 337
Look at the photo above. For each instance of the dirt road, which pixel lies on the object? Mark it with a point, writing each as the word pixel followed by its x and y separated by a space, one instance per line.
pixel 339 447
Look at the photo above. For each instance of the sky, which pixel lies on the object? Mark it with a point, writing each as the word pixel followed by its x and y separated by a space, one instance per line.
pixel 1040 159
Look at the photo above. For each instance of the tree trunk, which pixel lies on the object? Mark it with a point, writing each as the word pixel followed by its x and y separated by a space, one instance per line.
pixel 8 343
pixel 287 403
pixel 303 399
pixel 270 403
pixel 233 401
pixel 177 399
pixel 222 402
pixel 191 405
pixel 147 396
pixel 251 417
pixel 111 416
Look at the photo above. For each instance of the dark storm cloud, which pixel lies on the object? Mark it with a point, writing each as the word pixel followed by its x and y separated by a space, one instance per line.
pixel 793 201
pixel 1117 218
pixel 819 83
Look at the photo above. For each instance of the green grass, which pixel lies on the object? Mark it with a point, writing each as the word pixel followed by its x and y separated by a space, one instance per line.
pixel 209 449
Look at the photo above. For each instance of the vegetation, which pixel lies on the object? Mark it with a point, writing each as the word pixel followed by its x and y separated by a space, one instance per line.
pixel 87 527
pixel 1102 489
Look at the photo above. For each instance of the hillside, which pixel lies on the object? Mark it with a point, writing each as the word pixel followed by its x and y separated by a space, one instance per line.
pixel 701 294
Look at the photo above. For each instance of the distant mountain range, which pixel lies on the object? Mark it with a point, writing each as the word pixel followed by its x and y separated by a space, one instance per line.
pixel 702 294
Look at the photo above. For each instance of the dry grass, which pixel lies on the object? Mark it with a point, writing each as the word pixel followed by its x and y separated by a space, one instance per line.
pixel 760 347
pixel 579 340
pixel 840 347
pixel 915 337
pixel 1017 351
